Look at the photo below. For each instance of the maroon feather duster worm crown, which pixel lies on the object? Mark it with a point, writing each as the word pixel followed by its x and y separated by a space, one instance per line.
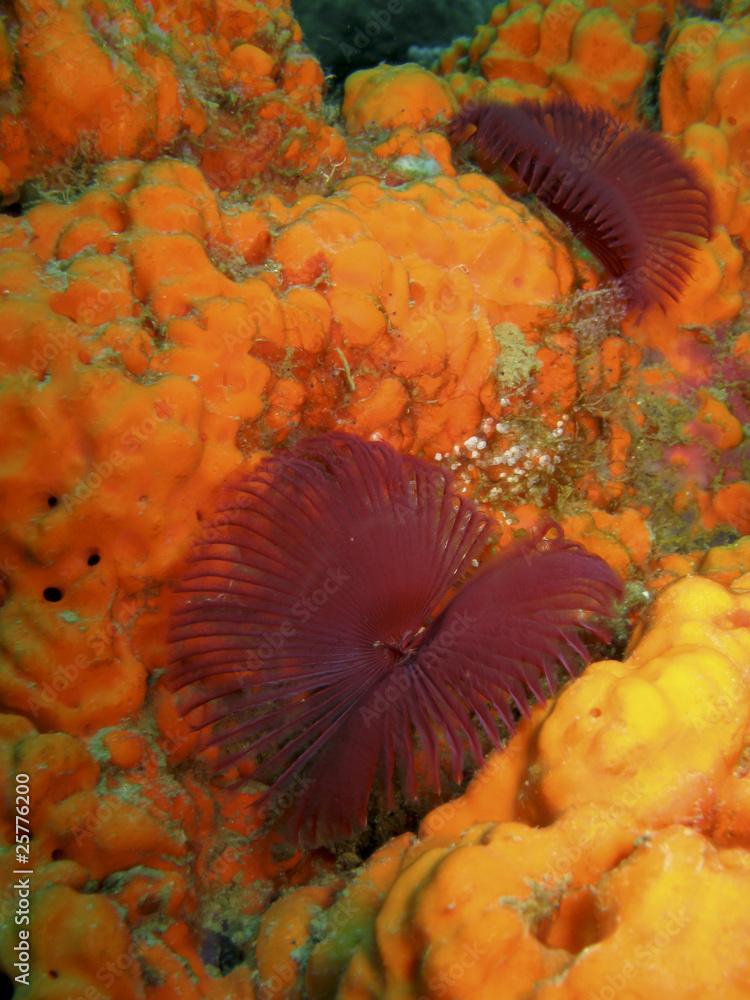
pixel 314 638
pixel 624 193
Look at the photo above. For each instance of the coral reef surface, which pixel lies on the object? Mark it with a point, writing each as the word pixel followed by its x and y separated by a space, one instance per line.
pixel 206 260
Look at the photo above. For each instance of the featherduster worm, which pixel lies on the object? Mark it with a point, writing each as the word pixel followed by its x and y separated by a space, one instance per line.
pixel 318 634
pixel 625 193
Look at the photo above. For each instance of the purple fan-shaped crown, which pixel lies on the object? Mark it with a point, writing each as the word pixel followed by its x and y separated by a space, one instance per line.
pixel 317 634
pixel 625 193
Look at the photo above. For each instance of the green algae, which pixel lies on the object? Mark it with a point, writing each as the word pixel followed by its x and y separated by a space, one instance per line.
pixel 517 359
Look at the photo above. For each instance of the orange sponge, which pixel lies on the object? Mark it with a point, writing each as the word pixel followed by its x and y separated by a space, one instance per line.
pixel 599 54
pixel 231 83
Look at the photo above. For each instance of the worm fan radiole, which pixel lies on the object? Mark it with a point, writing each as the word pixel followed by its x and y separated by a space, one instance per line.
pixel 318 636
pixel 625 193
